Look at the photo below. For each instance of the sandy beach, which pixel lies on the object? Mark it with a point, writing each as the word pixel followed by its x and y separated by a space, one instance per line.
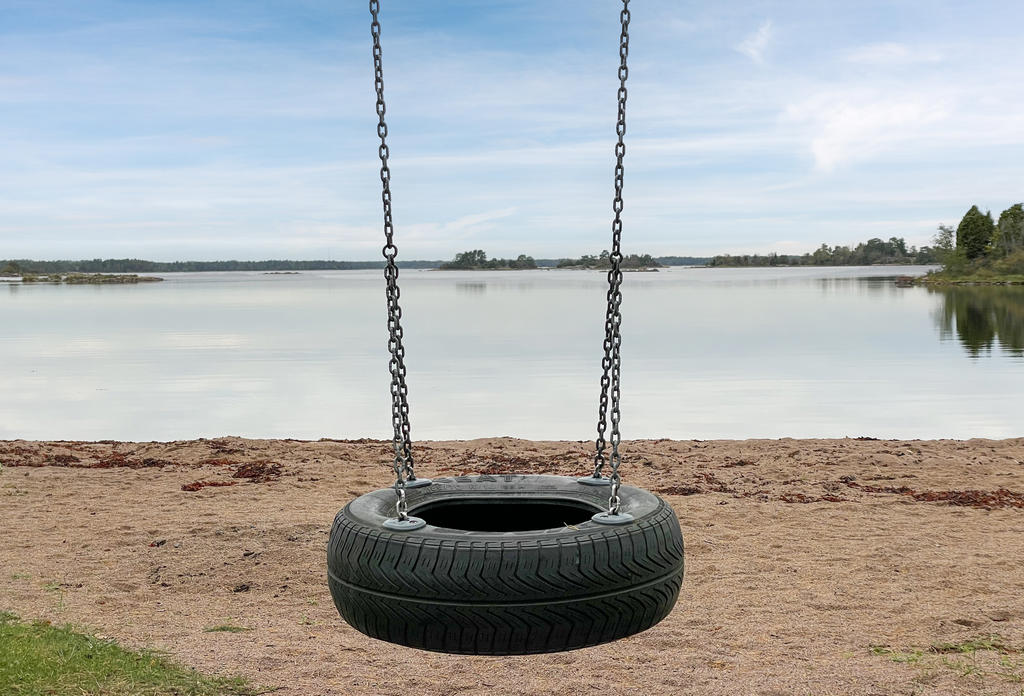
pixel 850 566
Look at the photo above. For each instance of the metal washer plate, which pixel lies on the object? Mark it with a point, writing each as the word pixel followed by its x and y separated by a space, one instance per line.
pixel 409 524
pixel 606 518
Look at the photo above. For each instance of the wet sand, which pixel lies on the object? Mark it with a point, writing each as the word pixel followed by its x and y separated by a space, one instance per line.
pixel 813 566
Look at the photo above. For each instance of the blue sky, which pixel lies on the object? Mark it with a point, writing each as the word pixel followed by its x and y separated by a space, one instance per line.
pixel 228 129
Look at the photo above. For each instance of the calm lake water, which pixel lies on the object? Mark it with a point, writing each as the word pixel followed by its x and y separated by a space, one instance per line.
pixel 707 353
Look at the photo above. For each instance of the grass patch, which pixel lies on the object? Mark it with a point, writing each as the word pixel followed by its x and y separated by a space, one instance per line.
pixel 972 279
pixel 226 628
pixel 39 658
pixel 973 645
pixel 897 655
pixel 979 658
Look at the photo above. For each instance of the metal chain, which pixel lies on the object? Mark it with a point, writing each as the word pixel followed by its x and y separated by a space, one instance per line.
pixel 403 461
pixel 602 407
pixel 611 363
pixel 610 388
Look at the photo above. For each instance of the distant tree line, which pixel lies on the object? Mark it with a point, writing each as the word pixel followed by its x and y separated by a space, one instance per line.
pixel 663 260
pixel 874 251
pixel 16 266
pixel 683 260
pixel 603 260
pixel 477 260
pixel 982 246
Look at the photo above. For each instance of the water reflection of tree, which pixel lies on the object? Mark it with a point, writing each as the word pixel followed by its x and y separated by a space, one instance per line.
pixel 981 316
pixel 471 287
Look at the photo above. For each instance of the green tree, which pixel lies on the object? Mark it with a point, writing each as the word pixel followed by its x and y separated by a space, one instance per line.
pixel 944 243
pixel 1009 234
pixel 926 255
pixel 944 239
pixel 523 261
pixel 822 256
pixel 875 251
pixel 974 234
pixel 467 259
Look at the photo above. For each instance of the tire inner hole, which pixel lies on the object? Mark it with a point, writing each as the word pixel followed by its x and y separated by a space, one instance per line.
pixel 505 514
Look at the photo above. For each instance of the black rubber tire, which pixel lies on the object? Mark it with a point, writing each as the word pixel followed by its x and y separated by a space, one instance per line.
pixel 505 593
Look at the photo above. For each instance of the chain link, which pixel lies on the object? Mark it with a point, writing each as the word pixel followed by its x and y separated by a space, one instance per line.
pixel 609 403
pixel 403 461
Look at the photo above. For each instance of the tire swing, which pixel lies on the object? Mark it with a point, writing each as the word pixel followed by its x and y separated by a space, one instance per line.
pixel 509 564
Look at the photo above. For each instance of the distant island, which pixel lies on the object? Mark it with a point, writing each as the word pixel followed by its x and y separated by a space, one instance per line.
pixel 89 278
pixel 476 260
pixel 981 251
pixel 870 253
pixel 632 262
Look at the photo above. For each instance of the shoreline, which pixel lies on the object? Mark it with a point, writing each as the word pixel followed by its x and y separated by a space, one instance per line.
pixel 1010 280
pixel 430 443
pixel 813 566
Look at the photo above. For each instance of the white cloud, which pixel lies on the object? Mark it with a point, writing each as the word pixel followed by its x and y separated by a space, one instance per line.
pixel 755 45
pixel 471 222
pixel 434 235
pixel 852 126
